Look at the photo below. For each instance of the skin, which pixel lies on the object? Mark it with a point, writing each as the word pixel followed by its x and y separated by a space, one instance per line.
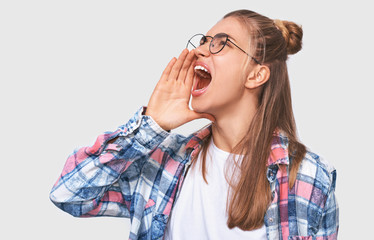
pixel 231 98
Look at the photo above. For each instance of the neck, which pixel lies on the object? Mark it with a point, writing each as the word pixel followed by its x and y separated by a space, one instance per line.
pixel 232 124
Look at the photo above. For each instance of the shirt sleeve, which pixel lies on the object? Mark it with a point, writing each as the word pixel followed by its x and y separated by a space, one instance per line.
pixel 91 182
pixel 329 224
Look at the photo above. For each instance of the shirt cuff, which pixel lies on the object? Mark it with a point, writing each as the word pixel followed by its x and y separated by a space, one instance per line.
pixel 145 130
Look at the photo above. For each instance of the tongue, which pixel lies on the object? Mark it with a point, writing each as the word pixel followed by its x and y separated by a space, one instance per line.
pixel 203 82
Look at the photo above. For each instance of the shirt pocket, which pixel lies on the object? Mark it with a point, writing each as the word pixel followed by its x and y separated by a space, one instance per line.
pixel 159 225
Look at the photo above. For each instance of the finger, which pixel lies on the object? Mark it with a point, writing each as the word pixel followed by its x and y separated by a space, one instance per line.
pixel 167 70
pixel 177 66
pixel 190 75
pixel 186 65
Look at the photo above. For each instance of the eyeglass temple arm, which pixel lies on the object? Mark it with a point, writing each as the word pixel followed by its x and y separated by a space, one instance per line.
pixel 254 59
pixel 189 42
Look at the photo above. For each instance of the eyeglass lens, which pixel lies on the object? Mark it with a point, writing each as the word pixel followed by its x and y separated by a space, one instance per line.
pixel 216 45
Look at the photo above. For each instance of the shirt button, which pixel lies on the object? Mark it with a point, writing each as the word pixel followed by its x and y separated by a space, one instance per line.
pixel 271 220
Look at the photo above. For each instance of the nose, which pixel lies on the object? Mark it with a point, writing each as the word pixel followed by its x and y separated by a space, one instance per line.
pixel 203 50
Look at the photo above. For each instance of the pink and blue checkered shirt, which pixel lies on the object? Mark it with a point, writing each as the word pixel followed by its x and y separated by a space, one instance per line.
pixel 137 171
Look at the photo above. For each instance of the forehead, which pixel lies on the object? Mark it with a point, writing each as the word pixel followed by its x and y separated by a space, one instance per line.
pixel 233 27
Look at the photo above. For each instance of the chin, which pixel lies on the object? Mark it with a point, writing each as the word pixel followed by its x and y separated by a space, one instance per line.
pixel 198 105
pixel 201 106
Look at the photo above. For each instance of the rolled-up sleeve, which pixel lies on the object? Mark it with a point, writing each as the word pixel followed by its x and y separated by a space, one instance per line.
pixel 90 182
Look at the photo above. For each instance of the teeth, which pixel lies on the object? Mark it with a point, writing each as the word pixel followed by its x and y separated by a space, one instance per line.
pixel 201 68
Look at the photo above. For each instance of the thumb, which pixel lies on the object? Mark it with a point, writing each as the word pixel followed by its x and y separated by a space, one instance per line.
pixel 194 115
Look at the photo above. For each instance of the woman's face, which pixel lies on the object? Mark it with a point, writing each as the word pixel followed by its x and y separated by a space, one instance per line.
pixel 228 70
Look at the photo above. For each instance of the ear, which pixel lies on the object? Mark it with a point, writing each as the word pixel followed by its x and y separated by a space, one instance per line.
pixel 258 76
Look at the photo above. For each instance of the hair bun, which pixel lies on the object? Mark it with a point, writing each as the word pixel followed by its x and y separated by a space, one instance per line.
pixel 292 33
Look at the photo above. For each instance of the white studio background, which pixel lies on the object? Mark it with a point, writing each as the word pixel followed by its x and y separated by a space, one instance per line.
pixel 70 70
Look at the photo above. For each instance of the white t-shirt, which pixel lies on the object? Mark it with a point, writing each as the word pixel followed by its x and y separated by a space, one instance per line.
pixel 200 210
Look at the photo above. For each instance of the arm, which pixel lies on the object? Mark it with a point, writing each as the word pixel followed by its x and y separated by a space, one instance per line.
pixel 89 183
pixel 100 180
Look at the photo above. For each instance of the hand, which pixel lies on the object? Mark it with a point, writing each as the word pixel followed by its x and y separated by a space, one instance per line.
pixel 168 105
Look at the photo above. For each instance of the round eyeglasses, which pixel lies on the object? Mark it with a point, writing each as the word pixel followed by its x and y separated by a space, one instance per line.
pixel 217 43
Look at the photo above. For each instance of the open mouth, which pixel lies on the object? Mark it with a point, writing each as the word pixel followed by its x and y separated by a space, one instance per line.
pixel 202 79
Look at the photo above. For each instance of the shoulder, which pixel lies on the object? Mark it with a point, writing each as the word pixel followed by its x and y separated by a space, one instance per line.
pixel 317 173
pixel 175 142
pixel 313 167
pixel 180 147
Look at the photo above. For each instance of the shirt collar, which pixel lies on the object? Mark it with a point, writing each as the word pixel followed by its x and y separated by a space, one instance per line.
pixel 198 137
pixel 278 149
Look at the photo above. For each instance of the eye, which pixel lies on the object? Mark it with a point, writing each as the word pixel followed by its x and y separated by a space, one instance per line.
pixel 218 42
pixel 221 42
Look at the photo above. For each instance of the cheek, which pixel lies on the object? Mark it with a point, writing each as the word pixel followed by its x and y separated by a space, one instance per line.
pixel 227 85
pixel 230 67
pixel 230 78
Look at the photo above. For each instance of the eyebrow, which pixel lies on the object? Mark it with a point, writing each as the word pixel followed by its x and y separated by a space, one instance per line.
pixel 230 37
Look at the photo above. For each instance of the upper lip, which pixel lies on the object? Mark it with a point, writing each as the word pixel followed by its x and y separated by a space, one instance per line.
pixel 198 63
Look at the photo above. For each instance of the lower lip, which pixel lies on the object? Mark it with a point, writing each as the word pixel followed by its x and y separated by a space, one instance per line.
pixel 196 93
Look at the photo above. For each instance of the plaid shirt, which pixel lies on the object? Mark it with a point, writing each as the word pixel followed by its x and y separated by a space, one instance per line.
pixel 138 170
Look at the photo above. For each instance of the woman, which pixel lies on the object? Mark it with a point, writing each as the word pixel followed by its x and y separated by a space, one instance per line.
pixel 245 176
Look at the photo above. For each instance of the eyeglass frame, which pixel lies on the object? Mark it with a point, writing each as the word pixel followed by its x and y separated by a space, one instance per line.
pixel 227 40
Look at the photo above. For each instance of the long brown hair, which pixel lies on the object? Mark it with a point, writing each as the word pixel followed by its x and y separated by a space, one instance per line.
pixel 249 193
